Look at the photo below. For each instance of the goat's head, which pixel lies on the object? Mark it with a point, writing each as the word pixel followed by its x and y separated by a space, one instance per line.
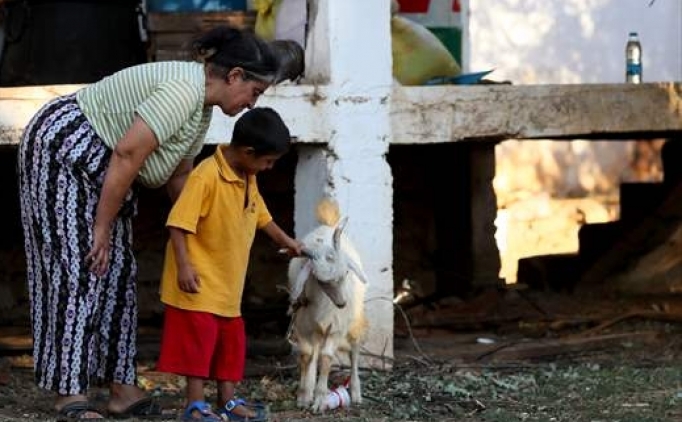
pixel 329 264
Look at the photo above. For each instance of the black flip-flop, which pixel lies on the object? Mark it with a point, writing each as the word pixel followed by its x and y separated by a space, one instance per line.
pixel 146 408
pixel 76 411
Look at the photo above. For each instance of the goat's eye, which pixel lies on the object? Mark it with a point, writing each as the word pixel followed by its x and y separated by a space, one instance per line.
pixel 329 258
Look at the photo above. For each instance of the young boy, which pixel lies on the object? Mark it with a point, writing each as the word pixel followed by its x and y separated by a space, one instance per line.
pixel 212 226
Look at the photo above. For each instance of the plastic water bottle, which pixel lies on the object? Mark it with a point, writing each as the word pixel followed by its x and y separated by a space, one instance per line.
pixel 338 397
pixel 633 59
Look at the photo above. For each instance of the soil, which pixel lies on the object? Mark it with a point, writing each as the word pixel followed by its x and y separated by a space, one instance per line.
pixel 496 369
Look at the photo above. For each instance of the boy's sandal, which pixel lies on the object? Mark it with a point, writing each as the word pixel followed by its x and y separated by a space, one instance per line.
pixel 199 411
pixel 242 402
pixel 78 410
pixel 226 412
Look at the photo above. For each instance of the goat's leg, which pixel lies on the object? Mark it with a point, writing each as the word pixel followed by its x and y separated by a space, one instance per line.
pixel 322 388
pixel 355 387
pixel 308 367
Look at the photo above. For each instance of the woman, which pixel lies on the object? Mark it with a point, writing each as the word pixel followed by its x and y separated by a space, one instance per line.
pixel 80 158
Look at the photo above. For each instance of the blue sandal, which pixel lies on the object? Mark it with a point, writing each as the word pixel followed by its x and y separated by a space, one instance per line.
pixel 226 412
pixel 204 410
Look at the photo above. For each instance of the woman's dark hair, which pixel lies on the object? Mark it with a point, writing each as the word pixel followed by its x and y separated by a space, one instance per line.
pixel 224 47
pixel 262 129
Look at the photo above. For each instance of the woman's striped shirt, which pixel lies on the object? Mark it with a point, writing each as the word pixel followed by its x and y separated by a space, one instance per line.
pixel 168 96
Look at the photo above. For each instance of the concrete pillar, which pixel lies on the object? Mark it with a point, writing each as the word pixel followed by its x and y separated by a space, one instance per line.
pixel 484 252
pixel 348 55
pixel 466 258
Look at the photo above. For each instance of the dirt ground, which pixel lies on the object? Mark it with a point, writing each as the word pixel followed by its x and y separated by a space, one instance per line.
pixel 500 357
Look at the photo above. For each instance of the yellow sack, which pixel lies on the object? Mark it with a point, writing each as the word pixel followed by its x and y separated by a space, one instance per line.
pixel 266 13
pixel 418 55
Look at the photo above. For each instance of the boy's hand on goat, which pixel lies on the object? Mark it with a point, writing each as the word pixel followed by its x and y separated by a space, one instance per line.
pixel 293 249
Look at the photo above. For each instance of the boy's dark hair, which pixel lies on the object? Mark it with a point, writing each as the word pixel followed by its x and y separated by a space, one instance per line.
pixel 262 129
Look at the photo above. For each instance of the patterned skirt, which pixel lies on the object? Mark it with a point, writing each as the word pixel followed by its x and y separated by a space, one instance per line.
pixel 84 326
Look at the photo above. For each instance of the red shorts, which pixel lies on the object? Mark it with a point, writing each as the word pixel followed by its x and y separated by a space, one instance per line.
pixel 203 345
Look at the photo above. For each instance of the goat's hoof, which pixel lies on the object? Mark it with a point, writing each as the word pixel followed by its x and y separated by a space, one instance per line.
pixel 319 405
pixel 303 403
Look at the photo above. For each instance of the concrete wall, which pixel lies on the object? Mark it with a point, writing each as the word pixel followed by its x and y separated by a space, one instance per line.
pixel 348 52
pixel 573 41
pixel 568 42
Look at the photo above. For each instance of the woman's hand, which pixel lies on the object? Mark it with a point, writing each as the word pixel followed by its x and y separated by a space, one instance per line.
pixel 98 257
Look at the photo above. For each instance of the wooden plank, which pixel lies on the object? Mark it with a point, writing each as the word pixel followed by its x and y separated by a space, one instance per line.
pixel 172 40
pixel 191 22
pixel 506 352
pixel 644 314
pixel 161 55
pixel 171 34
pixel 15 339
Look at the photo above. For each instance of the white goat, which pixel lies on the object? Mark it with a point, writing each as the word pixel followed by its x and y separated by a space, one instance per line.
pixel 327 292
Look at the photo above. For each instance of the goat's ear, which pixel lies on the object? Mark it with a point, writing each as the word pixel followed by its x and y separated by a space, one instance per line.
pixel 337 233
pixel 357 269
pixel 298 284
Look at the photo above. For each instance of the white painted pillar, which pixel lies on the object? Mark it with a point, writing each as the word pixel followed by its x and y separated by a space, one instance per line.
pixel 349 57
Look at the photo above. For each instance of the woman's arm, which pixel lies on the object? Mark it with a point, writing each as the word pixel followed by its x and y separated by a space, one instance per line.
pixel 178 178
pixel 124 166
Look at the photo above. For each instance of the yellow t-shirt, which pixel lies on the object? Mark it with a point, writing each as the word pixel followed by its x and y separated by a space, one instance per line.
pixel 220 231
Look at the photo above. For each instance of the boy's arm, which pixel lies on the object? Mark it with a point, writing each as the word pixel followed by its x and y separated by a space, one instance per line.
pixel 188 281
pixel 282 239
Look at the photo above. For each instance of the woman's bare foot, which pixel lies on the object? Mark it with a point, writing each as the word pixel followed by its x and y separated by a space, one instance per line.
pixel 121 397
